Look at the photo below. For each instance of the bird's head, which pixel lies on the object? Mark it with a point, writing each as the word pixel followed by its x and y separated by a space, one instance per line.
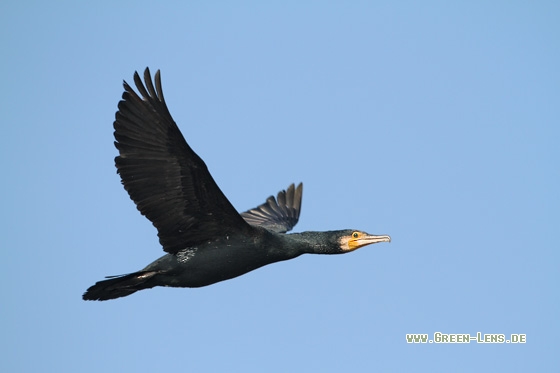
pixel 350 240
pixel 332 242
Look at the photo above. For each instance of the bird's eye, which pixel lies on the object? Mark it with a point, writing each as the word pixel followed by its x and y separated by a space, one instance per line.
pixel 355 234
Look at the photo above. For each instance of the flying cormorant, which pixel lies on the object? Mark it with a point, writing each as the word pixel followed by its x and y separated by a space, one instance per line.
pixel 205 238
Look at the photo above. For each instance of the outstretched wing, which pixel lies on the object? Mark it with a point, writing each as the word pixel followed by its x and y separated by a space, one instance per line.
pixel 167 180
pixel 280 214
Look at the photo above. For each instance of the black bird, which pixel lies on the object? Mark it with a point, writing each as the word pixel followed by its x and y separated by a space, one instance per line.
pixel 205 238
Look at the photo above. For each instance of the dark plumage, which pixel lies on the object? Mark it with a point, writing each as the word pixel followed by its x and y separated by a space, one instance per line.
pixel 205 238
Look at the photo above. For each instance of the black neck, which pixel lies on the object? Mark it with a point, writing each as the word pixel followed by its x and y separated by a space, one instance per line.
pixel 315 242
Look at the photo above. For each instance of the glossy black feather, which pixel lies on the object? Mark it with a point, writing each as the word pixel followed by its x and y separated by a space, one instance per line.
pixel 279 215
pixel 167 180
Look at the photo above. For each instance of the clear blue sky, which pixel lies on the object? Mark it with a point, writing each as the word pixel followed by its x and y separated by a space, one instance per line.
pixel 435 122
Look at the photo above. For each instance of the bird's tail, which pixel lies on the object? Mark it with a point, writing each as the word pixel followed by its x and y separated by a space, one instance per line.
pixel 120 286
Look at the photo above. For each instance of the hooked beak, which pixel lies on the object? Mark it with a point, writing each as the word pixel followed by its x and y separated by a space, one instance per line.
pixel 367 239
